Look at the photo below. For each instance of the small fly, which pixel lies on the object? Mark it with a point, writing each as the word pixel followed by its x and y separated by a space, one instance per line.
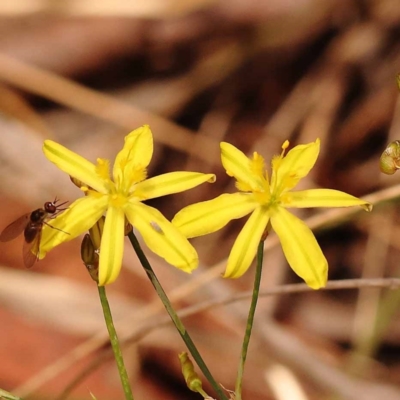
pixel 32 225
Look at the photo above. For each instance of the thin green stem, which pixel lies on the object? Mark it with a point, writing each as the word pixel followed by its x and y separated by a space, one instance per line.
pixel 7 396
pixel 250 320
pixel 175 319
pixel 115 343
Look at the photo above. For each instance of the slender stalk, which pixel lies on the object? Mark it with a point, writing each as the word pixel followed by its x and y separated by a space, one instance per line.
pixel 115 343
pixel 250 320
pixel 175 319
pixel 7 396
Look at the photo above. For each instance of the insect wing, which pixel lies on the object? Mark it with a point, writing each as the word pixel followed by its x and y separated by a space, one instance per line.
pixel 11 231
pixel 30 251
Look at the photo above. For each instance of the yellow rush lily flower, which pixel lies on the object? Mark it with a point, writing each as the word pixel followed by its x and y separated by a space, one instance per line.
pixel 121 197
pixel 267 202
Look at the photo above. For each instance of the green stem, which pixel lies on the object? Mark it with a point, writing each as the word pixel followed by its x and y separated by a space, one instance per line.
pixel 7 396
pixel 250 320
pixel 175 319
pixel 115 343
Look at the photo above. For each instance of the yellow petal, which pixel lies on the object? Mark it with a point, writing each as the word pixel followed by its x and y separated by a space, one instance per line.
pixel 238 165
pixel 301 248
pixel 322 198
pixel 245 246
pixel 298 162
pixel 80 216
pixel 209 216
pixel 136 153
pixel 74 165
pixel 162 237
pixel 173 182
pixel 112 246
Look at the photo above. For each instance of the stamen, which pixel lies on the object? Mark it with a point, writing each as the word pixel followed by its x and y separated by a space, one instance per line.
pixel 284 147
pixel 134 176
pixel 257 165
pixel 103 168
pixel 277 160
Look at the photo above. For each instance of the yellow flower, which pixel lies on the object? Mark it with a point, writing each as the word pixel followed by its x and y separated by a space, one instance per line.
pixel 121 197
pixel 267 202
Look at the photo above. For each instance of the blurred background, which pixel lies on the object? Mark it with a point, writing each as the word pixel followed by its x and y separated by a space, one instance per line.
pixel 253 73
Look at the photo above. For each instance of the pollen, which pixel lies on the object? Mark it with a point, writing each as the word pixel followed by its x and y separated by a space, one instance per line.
pixel 285 144
pixel 284 147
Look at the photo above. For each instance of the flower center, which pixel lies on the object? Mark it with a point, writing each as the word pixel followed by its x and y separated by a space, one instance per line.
pixel 117 200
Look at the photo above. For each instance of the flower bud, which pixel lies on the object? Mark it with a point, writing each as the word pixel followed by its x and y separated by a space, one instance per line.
pixel 193 381
pixel 390 158
pixel 79 184
pixel 128 227
pixel 90 257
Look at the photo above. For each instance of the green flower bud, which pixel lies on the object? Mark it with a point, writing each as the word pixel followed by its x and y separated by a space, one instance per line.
pixel 193 381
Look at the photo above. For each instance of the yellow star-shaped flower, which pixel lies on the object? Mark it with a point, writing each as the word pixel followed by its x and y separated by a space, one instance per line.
pixel 119 197
pixel 267 201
